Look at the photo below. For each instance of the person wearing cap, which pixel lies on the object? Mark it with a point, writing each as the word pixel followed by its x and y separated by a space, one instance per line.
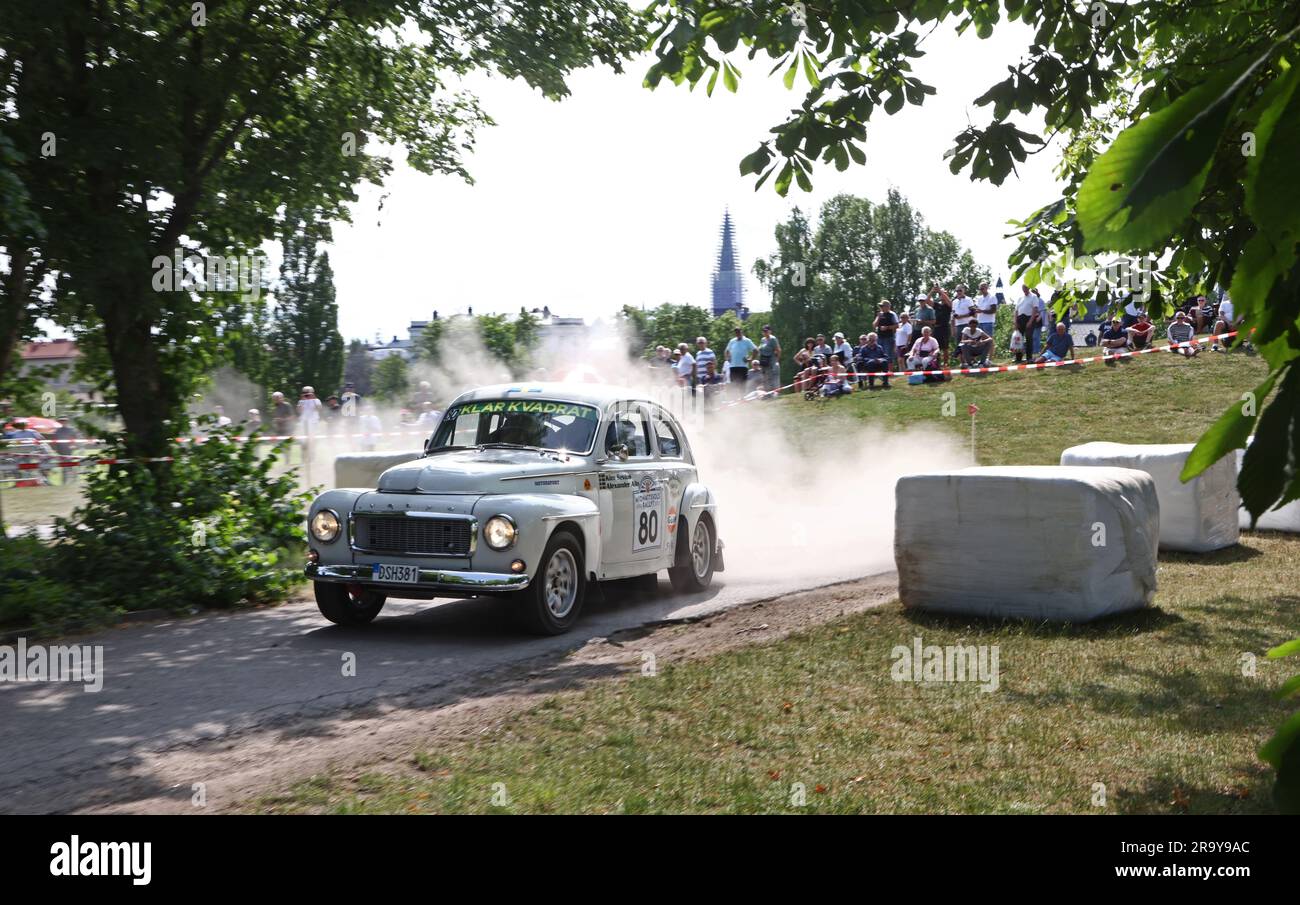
pixel 924 315
pixel 1182 336
pixel 350 401
pixel 769 359
pixel 740 349
pixel 309 410
pixel 1113 338
pixel 841 348
pixel 254 420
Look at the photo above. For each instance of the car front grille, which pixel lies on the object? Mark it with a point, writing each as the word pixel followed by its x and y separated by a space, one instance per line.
pixel 410 534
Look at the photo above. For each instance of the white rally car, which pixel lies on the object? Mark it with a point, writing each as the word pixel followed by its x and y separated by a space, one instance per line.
pixel 532 491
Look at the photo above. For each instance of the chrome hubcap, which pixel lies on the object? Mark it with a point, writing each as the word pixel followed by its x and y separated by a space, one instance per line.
pixel 700 552
pixel 561 588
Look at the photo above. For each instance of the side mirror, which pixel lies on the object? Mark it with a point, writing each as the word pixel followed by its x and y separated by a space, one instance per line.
pixel 428 444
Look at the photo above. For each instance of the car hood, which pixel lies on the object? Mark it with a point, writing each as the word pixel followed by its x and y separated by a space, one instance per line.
pixel 477 471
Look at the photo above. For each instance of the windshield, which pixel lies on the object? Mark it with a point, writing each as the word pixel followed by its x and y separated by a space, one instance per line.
pixel 518 422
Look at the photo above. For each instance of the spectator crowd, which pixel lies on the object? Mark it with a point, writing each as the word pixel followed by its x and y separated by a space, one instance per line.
pixel 939 331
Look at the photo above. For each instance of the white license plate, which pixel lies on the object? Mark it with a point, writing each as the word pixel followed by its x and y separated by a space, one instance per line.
pixel 394 574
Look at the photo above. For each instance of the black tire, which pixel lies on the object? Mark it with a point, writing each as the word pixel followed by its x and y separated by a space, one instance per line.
pixel 341 606
pixel 553 601
pixel 694 576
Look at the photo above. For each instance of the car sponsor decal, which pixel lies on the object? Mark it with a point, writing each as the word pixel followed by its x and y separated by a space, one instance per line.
pixel 523 406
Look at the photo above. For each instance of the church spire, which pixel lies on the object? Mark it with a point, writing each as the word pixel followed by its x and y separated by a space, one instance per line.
pixel 728 282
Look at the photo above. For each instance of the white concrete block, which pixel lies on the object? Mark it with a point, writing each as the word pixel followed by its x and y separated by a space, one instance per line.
pixel 1285 519
pixel 1027 542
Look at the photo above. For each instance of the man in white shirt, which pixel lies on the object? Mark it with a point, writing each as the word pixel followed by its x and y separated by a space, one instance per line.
pixel 986 309
pixel 1227 321
pixel 1026 309
pixel 963 311
pixel 903 336
pixel 685 367
pixel 843 349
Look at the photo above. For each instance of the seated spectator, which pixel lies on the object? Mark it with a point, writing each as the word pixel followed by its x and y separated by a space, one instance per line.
pixel 822 349
pixel 1182 336
pixel 1227 322
pixel 1201 314
pixel 870 359
pixel 1140 334
pixel 924 353
pixel 1091 339
pixel 1059 346
pixel 1018 345
pixel 837 380
pixel 711 380
pixel 1113 337
pixel 802 362
pixel 842 349
pixel 975 346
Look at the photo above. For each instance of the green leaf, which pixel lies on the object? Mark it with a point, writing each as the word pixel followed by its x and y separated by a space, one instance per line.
pixel 1144 185
pixel 1289 687
pixel 1272 191
pixel 810 70
pixel 1285 650
pixel 1267 468
pixel 1230 432
pixel 788 78
pixel 730 77
pixel 1285 737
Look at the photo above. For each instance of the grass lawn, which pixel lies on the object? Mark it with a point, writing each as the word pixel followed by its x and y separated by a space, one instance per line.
pixel 1154 706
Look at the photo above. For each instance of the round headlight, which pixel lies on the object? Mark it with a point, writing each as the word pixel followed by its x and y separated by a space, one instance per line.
pixel 325 526
pixel 500 532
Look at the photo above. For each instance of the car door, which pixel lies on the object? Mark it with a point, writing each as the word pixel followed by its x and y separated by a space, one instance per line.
pixel 676 469
pixel 636 494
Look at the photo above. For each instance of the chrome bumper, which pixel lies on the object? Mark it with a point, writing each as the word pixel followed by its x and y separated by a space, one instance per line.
pixel 430 579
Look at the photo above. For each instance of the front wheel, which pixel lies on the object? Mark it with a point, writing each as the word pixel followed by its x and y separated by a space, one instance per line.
pixel 697 574
pixel 347 604
pixel 551 604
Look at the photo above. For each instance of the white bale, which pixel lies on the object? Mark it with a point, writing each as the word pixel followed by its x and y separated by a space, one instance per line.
pixel 1027 542
pixel 364 469
pixel 1197 516
pixel 1285 519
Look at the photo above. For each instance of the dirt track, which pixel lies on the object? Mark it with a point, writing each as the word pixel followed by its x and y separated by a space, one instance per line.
pixel 248 702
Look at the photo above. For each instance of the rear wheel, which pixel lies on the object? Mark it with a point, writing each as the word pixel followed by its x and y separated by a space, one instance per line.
pixel 551 604
pixel 697 573
pixel 347 604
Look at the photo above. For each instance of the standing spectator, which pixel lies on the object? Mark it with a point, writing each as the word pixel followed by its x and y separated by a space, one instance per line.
pixel 769 359
pixel 350 399
pixel 309 410
pixel 1132 311
pixel 254 420
pixel 370 425
pixel 1026 311
pixel 223 420
pixel 871 358
pixel 1059 346
pixel 1140 334
pixel 924 315
pixel 904 336
pixel 740 349
pixel 963 311
pixel 423 393
pixel 1182 336
pixel 986 311
pixel 942 319
pixel 975 345
pixel 331 413
pixel 1035 339
pixel 703 355
pixel 710 380
pixel 282 416
pixel 685 367
pixel 1113 338
pixel 63 438
pixel 886 325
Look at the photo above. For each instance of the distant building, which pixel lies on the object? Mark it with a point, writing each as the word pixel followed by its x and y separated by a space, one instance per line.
pixel 728 280
pixel 56 358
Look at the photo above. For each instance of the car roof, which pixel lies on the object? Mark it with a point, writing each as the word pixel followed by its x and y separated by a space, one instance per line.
pixel 598 395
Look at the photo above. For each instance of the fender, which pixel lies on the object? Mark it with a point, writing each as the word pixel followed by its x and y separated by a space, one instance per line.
pixel 544 511
pixel 696 500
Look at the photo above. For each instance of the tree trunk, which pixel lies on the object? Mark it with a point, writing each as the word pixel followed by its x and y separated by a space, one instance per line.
pixel 146 401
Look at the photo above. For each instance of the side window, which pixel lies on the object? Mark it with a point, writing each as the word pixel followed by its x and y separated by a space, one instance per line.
pixel 670 444
pixel 629 429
